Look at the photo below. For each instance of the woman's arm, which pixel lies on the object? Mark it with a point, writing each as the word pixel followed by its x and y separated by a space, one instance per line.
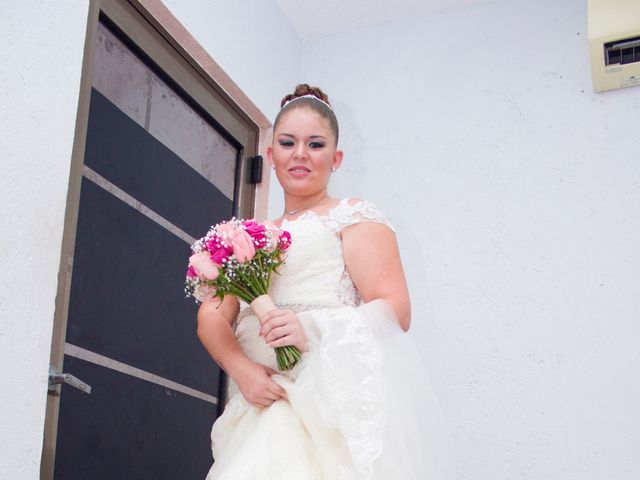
pixel 373 262
pixel 215 333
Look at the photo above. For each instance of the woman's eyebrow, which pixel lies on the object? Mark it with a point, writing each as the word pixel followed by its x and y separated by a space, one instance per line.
pixel 283 134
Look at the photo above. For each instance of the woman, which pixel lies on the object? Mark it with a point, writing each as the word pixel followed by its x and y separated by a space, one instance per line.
pixel 358 405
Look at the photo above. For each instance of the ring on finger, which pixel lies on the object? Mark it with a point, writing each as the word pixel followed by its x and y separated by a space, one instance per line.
pixel 284 331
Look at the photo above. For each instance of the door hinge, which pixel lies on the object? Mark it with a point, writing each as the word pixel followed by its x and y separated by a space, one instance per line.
pixel 256 169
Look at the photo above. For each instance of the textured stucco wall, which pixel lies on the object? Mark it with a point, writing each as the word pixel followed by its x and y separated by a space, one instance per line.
pixel 41 59
pixel 516 193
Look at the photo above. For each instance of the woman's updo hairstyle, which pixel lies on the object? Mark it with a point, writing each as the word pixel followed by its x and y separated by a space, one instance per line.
pixel 302 98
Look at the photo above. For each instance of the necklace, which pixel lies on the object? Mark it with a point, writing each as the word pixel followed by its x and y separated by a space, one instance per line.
pixel 298 210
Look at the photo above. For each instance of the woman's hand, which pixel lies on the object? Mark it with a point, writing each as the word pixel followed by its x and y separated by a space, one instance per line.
pixel 216 334
pixel 256 385
pixel 281 328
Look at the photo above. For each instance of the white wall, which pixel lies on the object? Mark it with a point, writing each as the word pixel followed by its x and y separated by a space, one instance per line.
pixel 251 40
pixel 41 58
pixel 516 192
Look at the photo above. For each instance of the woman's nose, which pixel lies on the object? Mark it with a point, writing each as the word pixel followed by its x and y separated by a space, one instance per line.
pixel 300 151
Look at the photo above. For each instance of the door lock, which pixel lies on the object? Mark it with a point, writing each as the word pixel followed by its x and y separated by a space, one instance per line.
pixel 56 377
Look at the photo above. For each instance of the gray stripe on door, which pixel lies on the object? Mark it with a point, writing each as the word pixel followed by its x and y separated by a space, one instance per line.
pixel 102 182
pixel 97 359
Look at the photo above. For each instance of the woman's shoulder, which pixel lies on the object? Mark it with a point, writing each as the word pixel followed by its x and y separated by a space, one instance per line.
pixel 352 211
pixel 341 213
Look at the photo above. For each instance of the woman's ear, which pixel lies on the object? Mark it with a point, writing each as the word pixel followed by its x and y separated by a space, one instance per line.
pixel 270 156
pixel 337 160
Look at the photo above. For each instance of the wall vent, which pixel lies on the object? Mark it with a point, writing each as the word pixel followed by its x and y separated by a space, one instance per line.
pixel 622 52
pixel 614 43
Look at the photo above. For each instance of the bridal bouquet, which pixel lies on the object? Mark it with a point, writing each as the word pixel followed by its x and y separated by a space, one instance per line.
pixel 237 257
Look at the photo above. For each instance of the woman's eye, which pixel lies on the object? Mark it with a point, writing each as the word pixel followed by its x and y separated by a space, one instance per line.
pixel 286 143
pixel 316 144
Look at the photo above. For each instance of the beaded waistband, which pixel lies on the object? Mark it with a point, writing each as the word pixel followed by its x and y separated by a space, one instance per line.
pixel 294 307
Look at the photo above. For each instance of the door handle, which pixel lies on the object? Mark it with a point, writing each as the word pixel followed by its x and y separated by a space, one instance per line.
pixel 56 377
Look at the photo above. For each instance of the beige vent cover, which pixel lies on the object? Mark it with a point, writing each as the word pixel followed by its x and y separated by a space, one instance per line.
pixel 614 43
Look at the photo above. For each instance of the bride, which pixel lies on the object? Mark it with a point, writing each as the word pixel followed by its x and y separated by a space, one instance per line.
pixel 358 405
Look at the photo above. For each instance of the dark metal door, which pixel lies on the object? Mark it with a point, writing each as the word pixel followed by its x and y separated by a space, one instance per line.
pixel 157 173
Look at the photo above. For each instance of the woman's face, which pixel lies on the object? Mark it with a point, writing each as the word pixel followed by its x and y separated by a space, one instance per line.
pixel 303 152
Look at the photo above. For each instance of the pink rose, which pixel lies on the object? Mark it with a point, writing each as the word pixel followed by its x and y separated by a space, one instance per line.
pixel 191 272
pixel 203 265
pixel 220 254
pixel 226 230
pixel 243 247
pixel 257 232
pixel 285 240
pixel 213 244
pixel 219 251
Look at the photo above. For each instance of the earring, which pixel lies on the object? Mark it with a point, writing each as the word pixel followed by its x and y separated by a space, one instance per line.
pixel 333 169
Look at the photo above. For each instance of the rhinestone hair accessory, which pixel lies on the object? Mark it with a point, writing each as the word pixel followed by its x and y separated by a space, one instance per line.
pixel 308 95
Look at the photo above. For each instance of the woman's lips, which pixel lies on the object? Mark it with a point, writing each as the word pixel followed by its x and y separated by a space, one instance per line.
pixel 299 172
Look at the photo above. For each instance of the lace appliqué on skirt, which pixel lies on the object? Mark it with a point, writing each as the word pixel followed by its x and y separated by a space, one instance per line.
pixel 349 360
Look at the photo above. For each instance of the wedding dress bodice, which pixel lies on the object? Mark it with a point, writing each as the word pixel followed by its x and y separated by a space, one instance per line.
pixel 314 272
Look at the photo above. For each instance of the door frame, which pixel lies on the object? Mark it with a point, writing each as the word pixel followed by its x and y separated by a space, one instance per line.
pixel 150 25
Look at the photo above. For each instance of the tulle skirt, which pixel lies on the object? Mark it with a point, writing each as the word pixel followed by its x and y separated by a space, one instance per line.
pixel 359 406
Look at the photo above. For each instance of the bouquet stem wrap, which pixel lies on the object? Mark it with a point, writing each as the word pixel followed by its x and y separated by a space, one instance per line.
pixel 262 305
pixel 287 356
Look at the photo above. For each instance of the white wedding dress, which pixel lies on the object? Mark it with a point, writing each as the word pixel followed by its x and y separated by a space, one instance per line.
pixel 359 404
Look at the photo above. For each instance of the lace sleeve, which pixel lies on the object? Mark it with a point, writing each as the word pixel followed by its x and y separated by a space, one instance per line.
pixel 361 211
